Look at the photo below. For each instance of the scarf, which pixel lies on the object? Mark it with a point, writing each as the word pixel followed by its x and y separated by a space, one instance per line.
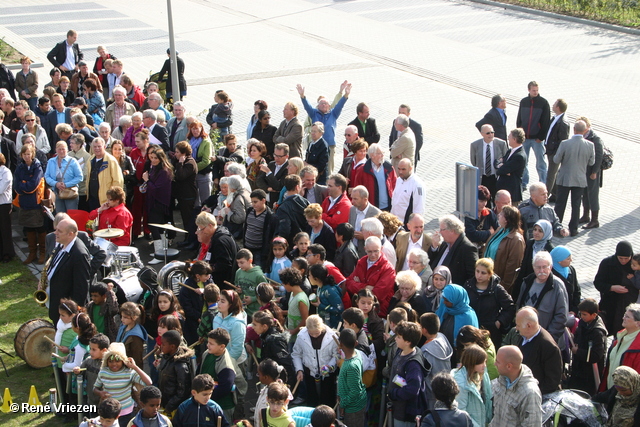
pixel 547 229
pixel 494 243
pixel 195 146
pixel 558 254
pixel 433 292
pixel 625 407
pixel 460 309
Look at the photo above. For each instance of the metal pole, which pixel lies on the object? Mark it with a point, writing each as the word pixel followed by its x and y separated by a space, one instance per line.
pixel 175 85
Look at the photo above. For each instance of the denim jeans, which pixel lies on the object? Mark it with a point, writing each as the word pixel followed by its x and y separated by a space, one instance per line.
pixel 541 163
pixel 65 205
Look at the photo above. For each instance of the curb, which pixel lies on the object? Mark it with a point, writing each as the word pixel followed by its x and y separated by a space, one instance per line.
pixel 575 19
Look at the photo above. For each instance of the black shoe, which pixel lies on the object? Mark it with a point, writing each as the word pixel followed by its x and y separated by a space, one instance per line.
pixel 183 245
pixel 147 236
pixel 552 199
pixel 573 233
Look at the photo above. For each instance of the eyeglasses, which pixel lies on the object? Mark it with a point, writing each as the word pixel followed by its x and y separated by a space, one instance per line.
pixel 30 120
pixel 489 133
pixel 200 229
pixel 278 156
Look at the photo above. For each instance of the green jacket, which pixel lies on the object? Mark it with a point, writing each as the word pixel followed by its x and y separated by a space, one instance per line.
pixel 248 281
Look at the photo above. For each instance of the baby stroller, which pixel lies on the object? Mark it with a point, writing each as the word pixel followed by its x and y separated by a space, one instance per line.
pixel 572 408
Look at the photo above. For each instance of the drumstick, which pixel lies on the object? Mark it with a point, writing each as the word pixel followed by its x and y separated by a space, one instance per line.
pixel 52 341
pixel 58 356
pixel 295 387
pixel 237 288
pixel 155 349
pixel 219 420
pixel 387 326
pixel 195 344
pixel 187 286
pixel 336 340
pixel 339 325
pixel 82 369
pixel 255 359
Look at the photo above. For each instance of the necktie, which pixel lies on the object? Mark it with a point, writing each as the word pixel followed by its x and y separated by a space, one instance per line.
pixel 487 161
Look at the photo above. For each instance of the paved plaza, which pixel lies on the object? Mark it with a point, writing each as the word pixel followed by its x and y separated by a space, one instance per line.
pixel 443 58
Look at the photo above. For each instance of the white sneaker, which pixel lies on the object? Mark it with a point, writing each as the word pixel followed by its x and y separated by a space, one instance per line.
pixel 155 261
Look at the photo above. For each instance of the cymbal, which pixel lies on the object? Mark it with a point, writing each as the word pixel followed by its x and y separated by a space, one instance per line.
pixel 109 233
pixel 169 227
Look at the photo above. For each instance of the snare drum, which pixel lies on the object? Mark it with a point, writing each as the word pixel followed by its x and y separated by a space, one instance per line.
pixel 128 257
pixel 125 285
pixel 108 247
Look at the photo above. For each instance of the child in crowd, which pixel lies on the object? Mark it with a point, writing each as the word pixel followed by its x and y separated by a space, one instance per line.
pixel 353 318
pixel 407 385
pixel 274 341
pixel 373 326
pixel 329 301
pixel 248 277
pixel 268 372
pixel 276 415
pixel 166 303
pixel 324 416
pixel 175 371
pixel 279 259
pixel 199 409
pixel 211 296
pixel 436 350
pixel 590 347
pixel 165 324
pixel 220 112
pixel 116 378
pixel 314 358
pixel 131 333
pixel 301 242
pixel 108 413
pixel 98 347
pixel 446 412
pixel 346 256
pixel 351 390
pixel 396 316
pixel 84 330
pixel 266 296
pixel 298 310
pixel 258 228
pixel 68 310
pixel 302 265
pixel 102 309
pixel 150 398
pixel 475 395
pixel 635 276
pixel 231 316
pixel 192 302
pixel 217 363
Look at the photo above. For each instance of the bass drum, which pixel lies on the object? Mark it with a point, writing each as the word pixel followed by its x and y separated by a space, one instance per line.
pixel 125 285
pixel 172 274
pixel 32 346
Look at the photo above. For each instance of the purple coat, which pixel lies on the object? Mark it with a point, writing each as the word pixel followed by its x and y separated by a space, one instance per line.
pixel 158 189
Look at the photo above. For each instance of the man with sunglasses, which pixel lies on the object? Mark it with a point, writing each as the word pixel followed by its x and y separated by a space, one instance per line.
pixel 496 117
pixel 484 155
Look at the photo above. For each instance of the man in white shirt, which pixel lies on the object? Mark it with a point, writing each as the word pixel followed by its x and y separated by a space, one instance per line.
pixel 66 54
pixel 484 155
pixel 408 196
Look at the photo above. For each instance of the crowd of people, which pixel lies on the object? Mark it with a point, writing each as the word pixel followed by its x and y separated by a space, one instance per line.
pixel 324 284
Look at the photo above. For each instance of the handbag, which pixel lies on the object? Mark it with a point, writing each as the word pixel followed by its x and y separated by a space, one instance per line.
pixel 68 193
pixel 607 158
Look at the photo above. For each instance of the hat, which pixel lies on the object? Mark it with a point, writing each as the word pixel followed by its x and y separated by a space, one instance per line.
pixel 148 276
pixel 169 51
pixel 117 350
pixel 624 248
pixel 79 101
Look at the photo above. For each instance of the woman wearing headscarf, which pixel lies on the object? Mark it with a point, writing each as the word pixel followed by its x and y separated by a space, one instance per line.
pixel 563 270
pixel 440 278
pixel 623 399
pixel 616 291
pixel 455 312
pixel 541 241
pixel 506 246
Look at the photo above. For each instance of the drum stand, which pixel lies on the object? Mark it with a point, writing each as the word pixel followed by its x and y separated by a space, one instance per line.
pixel 2 361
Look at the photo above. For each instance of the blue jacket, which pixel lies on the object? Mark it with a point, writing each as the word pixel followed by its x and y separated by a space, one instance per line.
pixel 137 331
pixel 72 177
pixel 331 304
pixel 237 328
pixel 137 420
pixel 479 408
pixel 25 181
pixel 329 120
pixel 96 104
pixel 191 413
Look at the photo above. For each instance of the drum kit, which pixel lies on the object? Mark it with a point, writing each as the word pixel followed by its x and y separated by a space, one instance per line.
pixel 168 253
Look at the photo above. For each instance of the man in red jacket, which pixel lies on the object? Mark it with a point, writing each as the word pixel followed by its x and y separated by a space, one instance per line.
pixel 335 208
pixel 375 273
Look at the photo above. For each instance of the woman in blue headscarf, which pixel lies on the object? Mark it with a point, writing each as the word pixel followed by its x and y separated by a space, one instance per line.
pixel 542 234
pixel 563 270
pixel 455 312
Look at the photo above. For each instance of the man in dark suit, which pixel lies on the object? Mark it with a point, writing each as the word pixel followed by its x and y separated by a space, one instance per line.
pixel 455 251
pixel 290 130
pixel 496 117
pixel 276 171
pixel 157 134
pixel 511 169
pixel 415 127
pixel 558 132
pixel 360 209
pixel 69 268
pixel 366 126
pixel 485 153
pixel 312 191
pixel 66 54
pixel 541 354
pixel 59 114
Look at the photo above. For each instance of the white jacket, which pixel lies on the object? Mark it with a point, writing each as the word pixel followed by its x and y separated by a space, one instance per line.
pixel 304 354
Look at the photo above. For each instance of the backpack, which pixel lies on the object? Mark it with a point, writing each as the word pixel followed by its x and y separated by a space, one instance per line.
pixel 607 158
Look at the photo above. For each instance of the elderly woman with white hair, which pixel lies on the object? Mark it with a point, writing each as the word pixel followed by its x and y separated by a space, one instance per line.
pixel 236 205
pixel 120 131
pixel 129 139
pixel 104 130
pixel 419 262
pixel 409 291
pixel 79 123
pixel 238 170
pixel 375 171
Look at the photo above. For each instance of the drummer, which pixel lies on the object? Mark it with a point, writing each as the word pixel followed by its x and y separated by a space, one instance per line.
pixel 114 214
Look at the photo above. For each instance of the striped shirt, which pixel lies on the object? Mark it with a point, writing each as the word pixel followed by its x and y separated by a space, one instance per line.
pixel 118 384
